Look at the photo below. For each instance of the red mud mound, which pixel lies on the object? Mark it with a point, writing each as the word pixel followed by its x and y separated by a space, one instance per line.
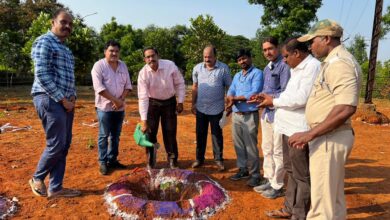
pixel 368 113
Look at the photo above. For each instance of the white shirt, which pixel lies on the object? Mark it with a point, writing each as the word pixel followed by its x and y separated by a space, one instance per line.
pixel 290 106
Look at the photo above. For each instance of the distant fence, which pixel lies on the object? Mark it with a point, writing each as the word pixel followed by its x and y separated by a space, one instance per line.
pixel 381 88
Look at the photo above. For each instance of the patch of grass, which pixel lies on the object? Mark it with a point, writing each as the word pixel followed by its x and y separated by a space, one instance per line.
pixel 91 144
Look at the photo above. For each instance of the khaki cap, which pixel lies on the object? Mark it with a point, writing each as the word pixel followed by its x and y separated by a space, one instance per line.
pixel 325 27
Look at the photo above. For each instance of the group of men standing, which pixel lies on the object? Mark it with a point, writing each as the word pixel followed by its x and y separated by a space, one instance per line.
pixel 305 121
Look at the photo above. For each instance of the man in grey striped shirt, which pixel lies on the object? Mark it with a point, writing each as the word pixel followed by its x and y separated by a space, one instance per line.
pixel 210 78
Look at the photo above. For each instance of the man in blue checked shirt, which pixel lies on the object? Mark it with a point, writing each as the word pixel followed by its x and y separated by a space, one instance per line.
pixel 211 79
pixel 246 83
pixel 54 98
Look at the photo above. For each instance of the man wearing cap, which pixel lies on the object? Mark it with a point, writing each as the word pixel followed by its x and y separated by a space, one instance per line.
pixel 332 102
pixel 246 83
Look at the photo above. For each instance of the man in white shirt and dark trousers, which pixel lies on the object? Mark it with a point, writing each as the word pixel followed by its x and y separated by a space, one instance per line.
pixel 289 119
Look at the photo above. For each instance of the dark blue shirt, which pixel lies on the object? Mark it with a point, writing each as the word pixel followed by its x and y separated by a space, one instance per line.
pixel 276 77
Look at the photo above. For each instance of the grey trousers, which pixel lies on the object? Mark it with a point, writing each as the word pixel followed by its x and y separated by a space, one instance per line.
pixel 244 129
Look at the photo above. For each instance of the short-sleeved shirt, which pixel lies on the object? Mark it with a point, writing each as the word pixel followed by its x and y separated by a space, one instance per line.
pixel 248 85
pixel 53 68
pixel 338 83
pixel 114 82
pixel 276 77
pixel 212 85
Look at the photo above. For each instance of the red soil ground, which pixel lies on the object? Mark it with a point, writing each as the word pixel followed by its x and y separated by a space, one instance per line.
pixel 367 185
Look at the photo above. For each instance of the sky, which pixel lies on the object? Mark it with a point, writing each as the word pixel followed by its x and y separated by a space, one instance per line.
pixel 236 17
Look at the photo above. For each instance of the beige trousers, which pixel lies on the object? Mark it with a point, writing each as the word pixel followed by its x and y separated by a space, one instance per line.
pixel 328 155
pixel 273 154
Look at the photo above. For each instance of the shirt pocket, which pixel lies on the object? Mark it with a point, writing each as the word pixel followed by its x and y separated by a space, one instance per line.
pixel 215 80
pixel 275 81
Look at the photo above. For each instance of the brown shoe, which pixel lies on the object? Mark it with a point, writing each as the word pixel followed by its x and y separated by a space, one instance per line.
pixel 64 192
pixel 197 164
pixel 220 165
pixel 38 187
pixel 280 213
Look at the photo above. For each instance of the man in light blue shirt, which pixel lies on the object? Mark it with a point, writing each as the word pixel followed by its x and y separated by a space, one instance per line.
pixel 210 78
pixel 246 83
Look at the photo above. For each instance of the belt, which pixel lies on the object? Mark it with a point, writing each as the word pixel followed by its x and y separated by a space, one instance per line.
pixel 39 93
pixel 246 113
pixel 160 102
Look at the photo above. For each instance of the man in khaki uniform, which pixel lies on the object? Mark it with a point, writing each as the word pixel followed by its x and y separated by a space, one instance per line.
pixel 332 102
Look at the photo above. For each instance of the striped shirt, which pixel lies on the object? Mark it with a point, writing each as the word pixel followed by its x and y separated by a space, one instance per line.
pixel 211 87
pixel 53 68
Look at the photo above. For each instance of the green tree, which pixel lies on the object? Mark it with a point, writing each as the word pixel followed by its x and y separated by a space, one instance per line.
pixel 161 39
pixel 131 42
pixel 358 49
pixel 203 31
pixel 15 19
pixel 230 47
pixel 386 22
pixel 286 18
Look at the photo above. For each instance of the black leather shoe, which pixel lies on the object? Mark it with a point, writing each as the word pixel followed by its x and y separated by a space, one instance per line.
pixel 116 165
pixel 173 164
pixel 103 169
pixel 220 165
pixel 197 164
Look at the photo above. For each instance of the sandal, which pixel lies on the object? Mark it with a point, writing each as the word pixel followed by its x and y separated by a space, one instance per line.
pixel 281 213
pixel 38 187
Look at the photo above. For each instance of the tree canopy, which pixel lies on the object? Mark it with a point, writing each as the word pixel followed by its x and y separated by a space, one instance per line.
pixel 286 18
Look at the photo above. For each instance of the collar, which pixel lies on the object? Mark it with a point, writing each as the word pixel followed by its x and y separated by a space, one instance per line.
pixel 217 64
pixel 277 61
pixel 334 52
pixel 160 66
pixel 54 37
pixel 303 63
pixel 249 70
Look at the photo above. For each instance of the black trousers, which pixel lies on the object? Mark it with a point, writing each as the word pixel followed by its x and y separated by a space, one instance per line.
pixel 202 126
pixel 166 111
pixel 296 164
